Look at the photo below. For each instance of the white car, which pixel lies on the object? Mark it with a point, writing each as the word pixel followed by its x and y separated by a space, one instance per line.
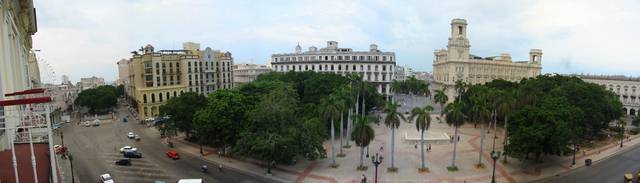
pixel 131 135
pixel 127 148
pixel 87 124
pixel 106 178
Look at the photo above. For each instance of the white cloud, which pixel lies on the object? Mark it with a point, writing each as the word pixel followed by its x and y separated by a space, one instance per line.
pixel 83 38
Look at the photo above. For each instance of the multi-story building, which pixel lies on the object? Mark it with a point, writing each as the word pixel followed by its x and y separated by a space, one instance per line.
pixel 627 89
pixel 91 82
pixel 456 63
pixel 425 76
pixel 34 70
pixel 16 28
pixel 374 66
pixel 123 72
pixel 155 77
pixel 245 73
pixel 404 72
pixel 65 80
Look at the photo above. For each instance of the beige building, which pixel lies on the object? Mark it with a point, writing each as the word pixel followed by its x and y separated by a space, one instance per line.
pixel 157 76
pixel 123 72
pixel 91 82
pixel 627 89
pixel 16 28
pixel 457 63
pixel 34 71
pixel 245 73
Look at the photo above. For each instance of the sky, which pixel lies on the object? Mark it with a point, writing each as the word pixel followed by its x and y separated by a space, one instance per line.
pixel 83 38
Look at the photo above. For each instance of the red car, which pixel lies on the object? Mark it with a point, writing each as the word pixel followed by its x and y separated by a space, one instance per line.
pixel 173 154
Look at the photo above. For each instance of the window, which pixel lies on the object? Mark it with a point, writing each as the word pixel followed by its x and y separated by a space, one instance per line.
pixel 326 58
pixel 144 98
pixel 354 67
pixel 384 68
pixel 460 30
pixel 361 57
pixel 160 97
pixel 339 67
pixel 168 95
pixel 354 57
pixel 153 98
pixel 175 94
pixel 368 67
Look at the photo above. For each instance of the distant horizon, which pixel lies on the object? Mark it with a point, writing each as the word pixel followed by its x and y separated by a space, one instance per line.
pixel 84 38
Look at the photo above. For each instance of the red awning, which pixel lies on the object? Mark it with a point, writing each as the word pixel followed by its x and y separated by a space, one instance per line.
pixel 25 92
pixel 25 101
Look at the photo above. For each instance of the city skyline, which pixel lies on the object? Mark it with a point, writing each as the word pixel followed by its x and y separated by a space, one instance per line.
pixel 577 37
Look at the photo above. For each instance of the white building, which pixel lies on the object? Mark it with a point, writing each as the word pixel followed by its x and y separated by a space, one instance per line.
pixel 245 73
pixel 457 63
pixel 627 89
pixel 404 72
pixel 374 66
pixel 123 72
pixel 65 80
pixel 16 28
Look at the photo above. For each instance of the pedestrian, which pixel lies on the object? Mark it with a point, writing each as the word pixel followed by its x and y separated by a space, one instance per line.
pixel 415 146
pixel 364 179
pixel 381 148
pixel 220 167
pixel 584 153
pixel 429 148
pixel 458 138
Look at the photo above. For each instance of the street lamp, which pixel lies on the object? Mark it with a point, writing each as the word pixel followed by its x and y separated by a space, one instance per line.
pixel 621 132
pixel 573 162
pixel 376 160
pixel 494 155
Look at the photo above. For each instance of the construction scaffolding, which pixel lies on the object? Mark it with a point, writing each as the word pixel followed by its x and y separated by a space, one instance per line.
pixel 29 121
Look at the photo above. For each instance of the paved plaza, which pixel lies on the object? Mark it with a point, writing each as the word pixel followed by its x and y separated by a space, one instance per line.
pixel 407 158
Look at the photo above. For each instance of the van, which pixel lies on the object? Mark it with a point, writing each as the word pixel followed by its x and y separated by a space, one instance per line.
pixel 190 181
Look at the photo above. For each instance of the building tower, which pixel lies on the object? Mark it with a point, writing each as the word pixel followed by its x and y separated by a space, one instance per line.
pixel 458 43
pixel 298 48
pixel 535 56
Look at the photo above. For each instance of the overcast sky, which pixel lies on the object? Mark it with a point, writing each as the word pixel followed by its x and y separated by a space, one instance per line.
pixel 82 38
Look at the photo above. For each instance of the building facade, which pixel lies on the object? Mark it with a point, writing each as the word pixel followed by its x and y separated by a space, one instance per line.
pixel 404 72
pixel 123 72
pixel 157 76
pixel 375 66
pixel 457 63
pixel 34 71
pixel 627 89
pixel 246 73
pixel 91 82
pixel 17 25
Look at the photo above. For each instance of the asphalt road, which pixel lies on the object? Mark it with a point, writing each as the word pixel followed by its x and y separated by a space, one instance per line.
pixel 95 150
pixel 607 171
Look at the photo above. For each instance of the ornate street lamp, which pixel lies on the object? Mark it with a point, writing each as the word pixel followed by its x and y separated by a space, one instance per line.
pixel 494 155
pixel 376 160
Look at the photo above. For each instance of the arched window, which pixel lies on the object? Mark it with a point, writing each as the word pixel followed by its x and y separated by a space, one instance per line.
pixel 153 98
pixel 160 97
pixel 175 94
pixel 144 98
pixel 460 30
pixel 168 95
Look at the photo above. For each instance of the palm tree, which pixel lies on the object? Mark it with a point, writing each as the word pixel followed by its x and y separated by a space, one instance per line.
pixel 329 111
pixel 392 120
pixel 506 105
pixel 425 89
pixel 354 80
pixel 396 87
pixel 480 113
pixel 344 101
pixel 363 134
pixel 423 122
pixel 455 118
pixel 441 98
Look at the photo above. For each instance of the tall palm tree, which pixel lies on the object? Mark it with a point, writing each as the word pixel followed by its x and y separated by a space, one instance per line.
pixel 423 122
pixel 344 101
pixel 425 89
pixel 363 134
pixel 441 98
pixel 455 118
pixel 355 84
pixel 506 105
pixel 329 111
pixel 396 87
pixel 480 113
pixel 392 120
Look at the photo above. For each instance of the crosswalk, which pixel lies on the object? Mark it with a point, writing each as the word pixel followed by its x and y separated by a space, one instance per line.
pixel 141 170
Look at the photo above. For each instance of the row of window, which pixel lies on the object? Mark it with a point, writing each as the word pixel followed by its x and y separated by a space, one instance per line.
pixel 160 97
pixel 330 67
pixel 333 58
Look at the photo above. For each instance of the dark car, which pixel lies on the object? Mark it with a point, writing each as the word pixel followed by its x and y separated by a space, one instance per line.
pixel 124 120
pixel 124 161
pixel 132 154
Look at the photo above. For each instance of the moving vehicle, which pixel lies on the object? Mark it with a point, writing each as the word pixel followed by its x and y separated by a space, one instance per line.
pixel 190 181
pixel 132 154
pixel 628 178
pixel 87 124
pixel 124 120
pixel 124 161
pixel 137 137
pixel 106 178
pixel 96 122
pixel 131 135
pixel 173 154
pixel 128 149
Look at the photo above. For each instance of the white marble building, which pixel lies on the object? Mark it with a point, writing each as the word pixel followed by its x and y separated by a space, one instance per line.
pixel 626 88
pixel 375 66
pixel 245 73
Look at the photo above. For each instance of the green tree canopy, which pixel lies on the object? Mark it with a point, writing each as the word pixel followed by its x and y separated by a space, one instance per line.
pixel 98 99
pixel 181 110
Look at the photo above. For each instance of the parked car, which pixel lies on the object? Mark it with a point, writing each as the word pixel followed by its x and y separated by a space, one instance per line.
pixel 124 120
pixel 96 122
pixel 137 137
pixel 131 135
pixel 127 149
pixel 106 178
pixel 132 154
pixel 190 181
pixel 159 181
pixel 124 161
pixel 173 154
pixel 87 124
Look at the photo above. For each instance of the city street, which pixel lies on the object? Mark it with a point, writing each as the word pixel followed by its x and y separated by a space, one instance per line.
pixel 609 170
pixel 95 150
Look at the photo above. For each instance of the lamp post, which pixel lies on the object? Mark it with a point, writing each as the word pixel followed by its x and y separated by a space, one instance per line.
pixel 376 160
pixel 573 162
pixel 621 132
pixel 494 155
